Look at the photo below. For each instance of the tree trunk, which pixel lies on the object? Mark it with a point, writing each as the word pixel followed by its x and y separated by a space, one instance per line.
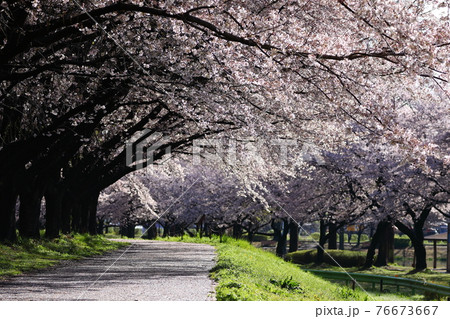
pixel 76 210
pixel 92 213
pixel 373 245
pixel 152 232
pixel 221 233
pixel 332 237
pixel 127 230
pixel 29 211
pixel 281 244
pixel 421 255
pixel 416 235
pixel 66 213
pixel 53 212
pixel 237 231
pixel 293 236
pixel 166 231
pixel 341 238
pixel 277 227
pixel 84 206
pixel 322 240
pixel 7 212
pixel 390 234
pixel 419 248
pixel 360 232
pixel 100 225
pixel 250 236
pixel 385 230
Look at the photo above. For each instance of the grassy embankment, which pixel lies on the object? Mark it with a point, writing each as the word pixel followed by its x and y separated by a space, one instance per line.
pixel 391 270
pixel 32 254
pixel 244 272
pixel 352 262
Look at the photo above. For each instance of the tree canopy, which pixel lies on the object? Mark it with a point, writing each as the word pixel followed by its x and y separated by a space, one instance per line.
pixel 365 82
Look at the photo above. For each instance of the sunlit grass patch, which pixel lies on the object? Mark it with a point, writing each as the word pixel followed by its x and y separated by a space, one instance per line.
pixel 31 254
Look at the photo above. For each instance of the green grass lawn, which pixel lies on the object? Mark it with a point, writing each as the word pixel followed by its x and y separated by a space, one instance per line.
pixel 244 272
pixel 31 254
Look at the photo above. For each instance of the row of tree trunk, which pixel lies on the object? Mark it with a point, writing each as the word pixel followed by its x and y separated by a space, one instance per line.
pixel 52 167
pixel 381 241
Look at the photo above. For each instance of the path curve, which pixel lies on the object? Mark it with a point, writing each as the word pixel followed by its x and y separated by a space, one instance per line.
pixel 146 270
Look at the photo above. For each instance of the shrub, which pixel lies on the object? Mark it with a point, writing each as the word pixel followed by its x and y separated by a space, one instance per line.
pixel 401 242
pixel 286 283
pixel 345 258
pixel 315 236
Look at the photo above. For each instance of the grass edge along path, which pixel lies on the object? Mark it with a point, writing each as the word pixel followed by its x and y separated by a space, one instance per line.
pixel 244 272
pixel 32 254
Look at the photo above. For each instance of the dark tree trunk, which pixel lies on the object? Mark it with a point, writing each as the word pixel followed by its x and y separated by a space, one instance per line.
pixel 29 211
pixel 83 215
pixel 130 231
pixel 374 243
pixel 341 238
pixel 100 225
pixel 208 231
pixel 322 240
pixel 53 194
pixel 199 228
pixel 166 231
pixel 237 231
pixel 360 232
pixel 277 228
pixel 332 236
pixel 421 255
pixel 221 233
pixel 53 212
pixel 419 248
pixel 8 199
pixel 293 236
pixel 127 230
pixel 390 234
pixel 152 232
pixel 281 244
pixel 250 236
pixel 416 235
pixel 66 214
pixel 385 231
pixel 75 209
pixel 92 213
pixel 87 213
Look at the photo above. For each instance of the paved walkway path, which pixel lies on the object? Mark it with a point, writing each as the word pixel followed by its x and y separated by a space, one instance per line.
pixel 147 270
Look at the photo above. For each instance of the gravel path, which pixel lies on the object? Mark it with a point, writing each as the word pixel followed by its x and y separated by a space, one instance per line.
pixel 147 270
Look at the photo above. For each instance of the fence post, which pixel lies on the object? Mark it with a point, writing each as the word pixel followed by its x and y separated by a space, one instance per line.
pixel 434 254
pixel 448 247
pixel 381 285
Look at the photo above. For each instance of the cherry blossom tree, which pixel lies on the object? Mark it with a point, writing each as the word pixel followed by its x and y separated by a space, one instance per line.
pixel 183 193
pixel 395 192
pixel 79 79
